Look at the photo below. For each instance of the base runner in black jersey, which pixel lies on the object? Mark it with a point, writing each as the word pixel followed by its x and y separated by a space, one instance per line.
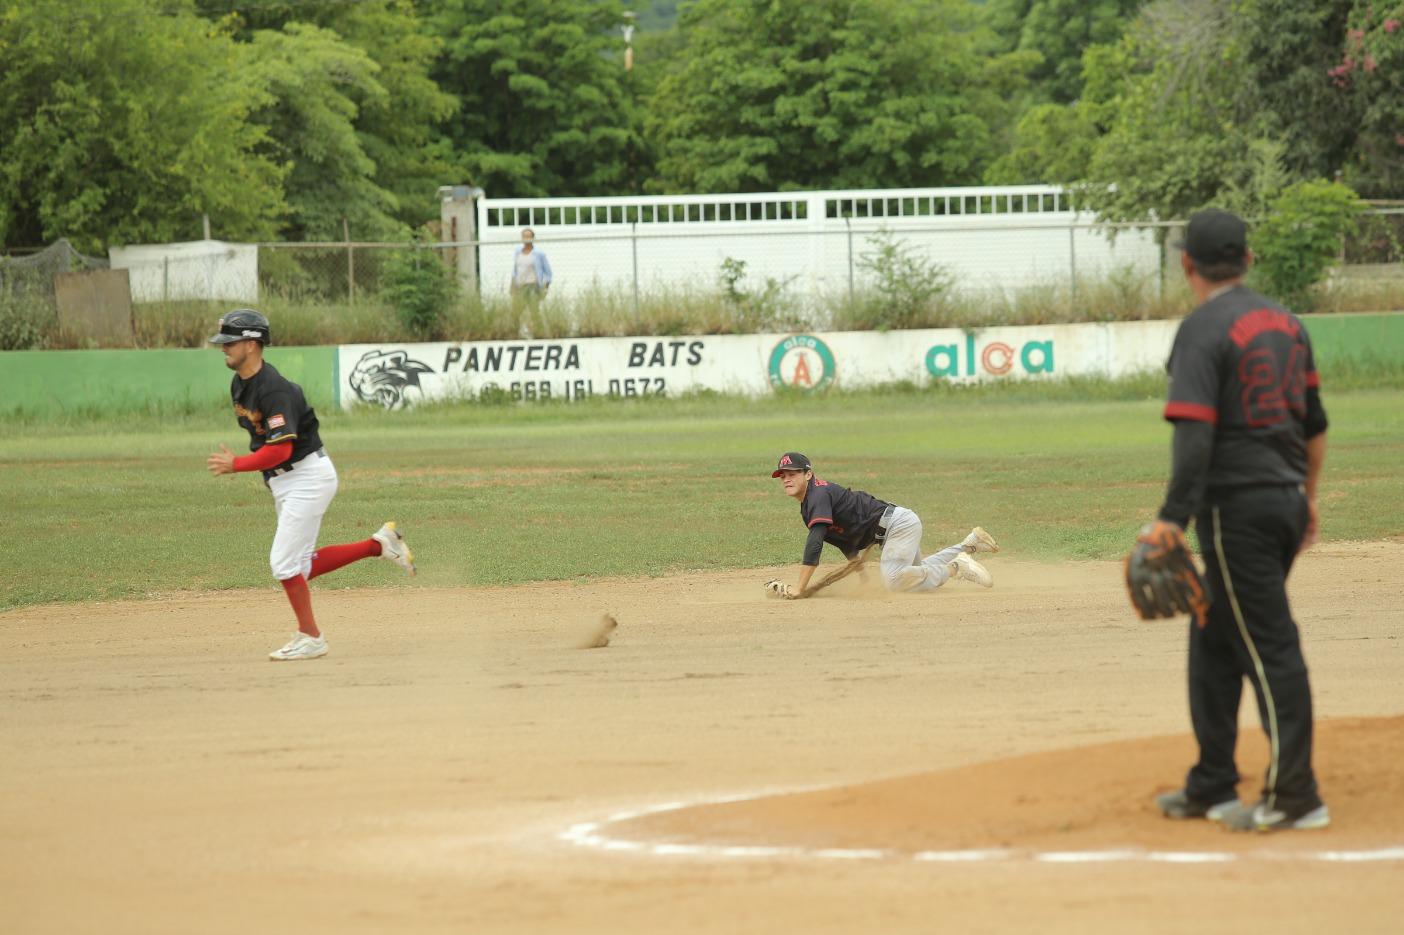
pixel 1249 443
pixel 852 521
pixel 285 444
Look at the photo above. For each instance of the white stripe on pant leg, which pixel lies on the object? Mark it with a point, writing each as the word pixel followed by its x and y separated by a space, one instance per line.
pixel 1257 662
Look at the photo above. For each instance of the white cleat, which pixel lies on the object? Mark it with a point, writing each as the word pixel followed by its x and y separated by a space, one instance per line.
pixel 968 569
pixel 301 647
pixel 979 541
pixel 393 547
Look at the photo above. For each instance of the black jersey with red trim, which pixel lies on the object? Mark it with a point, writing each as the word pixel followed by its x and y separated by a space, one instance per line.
pixel 1243 364
pixel 852 515
pixel 272 409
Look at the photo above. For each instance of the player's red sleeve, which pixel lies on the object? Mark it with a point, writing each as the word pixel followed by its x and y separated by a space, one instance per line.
pixel 269 456
pixel 1195 412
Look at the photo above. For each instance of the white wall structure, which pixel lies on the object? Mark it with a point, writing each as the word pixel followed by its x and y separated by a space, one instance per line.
pixel 200 269
pixel 987 237
pixel 395 376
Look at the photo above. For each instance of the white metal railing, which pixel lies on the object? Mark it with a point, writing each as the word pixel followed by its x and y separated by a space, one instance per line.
pixel 795 208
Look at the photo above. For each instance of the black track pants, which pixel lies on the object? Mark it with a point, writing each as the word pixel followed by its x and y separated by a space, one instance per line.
pixel 1249 539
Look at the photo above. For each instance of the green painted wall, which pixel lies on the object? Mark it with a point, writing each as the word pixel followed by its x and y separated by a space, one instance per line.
pixel 126 380
pixel 1362 338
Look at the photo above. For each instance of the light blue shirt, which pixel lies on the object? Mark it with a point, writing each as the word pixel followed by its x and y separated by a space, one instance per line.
pixel 538 259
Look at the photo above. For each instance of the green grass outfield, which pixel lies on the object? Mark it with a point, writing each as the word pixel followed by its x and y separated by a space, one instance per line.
pixel 492 495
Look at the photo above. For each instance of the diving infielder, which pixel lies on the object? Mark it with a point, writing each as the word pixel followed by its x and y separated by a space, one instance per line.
pixel 284 444
pixel 852 520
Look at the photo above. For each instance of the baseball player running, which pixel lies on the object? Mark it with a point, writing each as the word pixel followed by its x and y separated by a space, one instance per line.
pixel 1250 440
pixel 852 520
pixel 284 444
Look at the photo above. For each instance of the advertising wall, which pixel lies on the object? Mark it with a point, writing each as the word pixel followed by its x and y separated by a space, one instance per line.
pixel 393 376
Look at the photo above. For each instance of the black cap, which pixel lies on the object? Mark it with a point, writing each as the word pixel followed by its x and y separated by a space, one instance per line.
pixel 791 461
pixel 1215 236
pixel 242 324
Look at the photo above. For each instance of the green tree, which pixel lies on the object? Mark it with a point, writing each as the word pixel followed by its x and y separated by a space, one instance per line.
pixel 119 124
pixel 830 94
pixel 1229 101
pixel 314 83
pixel 397 115
pixel 1283 52
pixel 1179 124
pixel 1053 144
pixel 1060 31
pixel 544 107
pixel 1301 237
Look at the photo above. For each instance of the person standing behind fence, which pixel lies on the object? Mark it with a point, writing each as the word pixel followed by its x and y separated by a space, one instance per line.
pixel 531 271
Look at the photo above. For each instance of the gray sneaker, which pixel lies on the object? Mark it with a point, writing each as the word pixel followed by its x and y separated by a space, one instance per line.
pixel 979 541
pixel 1259 817
pixel 1178 805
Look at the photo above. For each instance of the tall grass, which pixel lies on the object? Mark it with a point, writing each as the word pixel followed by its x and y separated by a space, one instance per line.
pixel 597 311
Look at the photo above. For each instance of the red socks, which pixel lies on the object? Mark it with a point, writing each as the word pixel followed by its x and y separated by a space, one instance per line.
pixel 331 557
pixel 324 560
pixel 301 600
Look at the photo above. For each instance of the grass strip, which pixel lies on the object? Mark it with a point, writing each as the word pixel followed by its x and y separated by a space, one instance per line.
pixel 513 494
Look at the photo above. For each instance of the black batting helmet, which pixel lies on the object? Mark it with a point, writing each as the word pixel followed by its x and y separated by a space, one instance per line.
pixel 243 324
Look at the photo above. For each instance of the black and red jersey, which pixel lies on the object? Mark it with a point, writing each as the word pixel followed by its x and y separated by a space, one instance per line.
pixel 1244 364
pixel 851 515
pixel 272 409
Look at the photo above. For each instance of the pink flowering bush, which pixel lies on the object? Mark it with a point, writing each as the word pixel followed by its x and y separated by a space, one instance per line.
pixel 1371 75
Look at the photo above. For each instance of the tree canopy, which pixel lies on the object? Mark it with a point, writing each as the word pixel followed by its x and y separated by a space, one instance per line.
pixel 126 120
pixel 121 125
pixel 541 85
pixel 830 94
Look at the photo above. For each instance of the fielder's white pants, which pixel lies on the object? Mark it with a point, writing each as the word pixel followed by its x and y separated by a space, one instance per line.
pixel 300 497
pixel 903 568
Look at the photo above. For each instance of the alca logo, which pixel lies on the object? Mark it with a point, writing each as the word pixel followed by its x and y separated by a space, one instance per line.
pixel 382 377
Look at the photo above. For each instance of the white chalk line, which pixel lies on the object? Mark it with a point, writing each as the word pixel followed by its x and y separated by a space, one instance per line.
pixel 592 834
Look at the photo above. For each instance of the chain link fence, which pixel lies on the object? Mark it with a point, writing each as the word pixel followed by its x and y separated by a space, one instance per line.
pixel 627 280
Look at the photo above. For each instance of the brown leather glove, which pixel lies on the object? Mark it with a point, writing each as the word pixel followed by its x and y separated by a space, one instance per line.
pixel 1161 576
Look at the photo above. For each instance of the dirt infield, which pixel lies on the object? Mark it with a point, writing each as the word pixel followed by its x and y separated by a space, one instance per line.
pixel 157 774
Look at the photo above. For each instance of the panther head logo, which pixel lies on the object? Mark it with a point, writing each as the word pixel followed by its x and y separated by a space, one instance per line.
pixel 381 377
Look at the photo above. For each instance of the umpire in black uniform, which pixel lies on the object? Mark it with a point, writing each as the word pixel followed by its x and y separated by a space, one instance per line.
pixel 1249 442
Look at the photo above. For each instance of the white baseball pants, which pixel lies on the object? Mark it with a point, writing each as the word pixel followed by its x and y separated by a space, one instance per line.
pixel 903 568
pixel 300 497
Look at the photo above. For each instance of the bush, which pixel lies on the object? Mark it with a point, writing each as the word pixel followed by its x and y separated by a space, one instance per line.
pixel 25 321
pixel 907 290
pixel 1301 238
pixel 421 289
pixel 768 308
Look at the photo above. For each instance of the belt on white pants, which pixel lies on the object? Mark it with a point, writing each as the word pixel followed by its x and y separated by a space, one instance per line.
pixel 319 453
pixel 883 523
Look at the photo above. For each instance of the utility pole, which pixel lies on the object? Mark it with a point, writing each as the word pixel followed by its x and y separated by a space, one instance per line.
pixel 628 29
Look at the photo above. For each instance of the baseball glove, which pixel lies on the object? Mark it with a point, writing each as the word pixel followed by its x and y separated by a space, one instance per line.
pixel 1161 575
pixel 777 588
